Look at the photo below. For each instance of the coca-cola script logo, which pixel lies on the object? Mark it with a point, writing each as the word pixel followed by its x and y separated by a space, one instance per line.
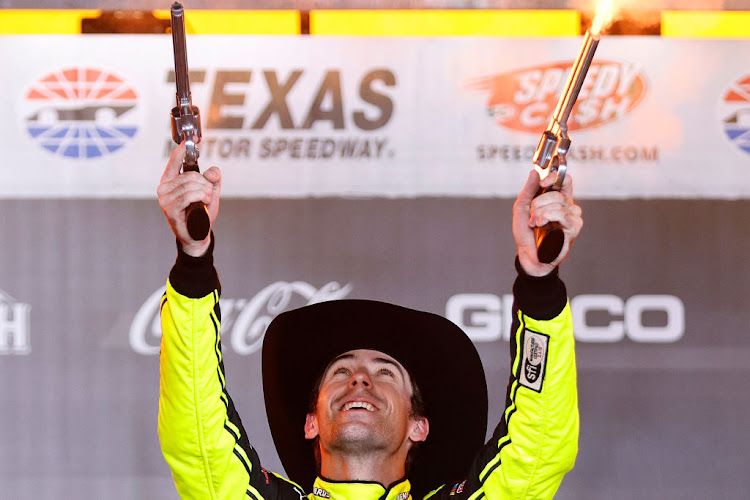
pixel 244 321
pixel 525 99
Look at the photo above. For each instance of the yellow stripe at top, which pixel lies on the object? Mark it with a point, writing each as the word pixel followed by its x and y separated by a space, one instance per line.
pixel 225 22
pixel 705 24
pixel 238 22
pixel 516 23
pixel 43 21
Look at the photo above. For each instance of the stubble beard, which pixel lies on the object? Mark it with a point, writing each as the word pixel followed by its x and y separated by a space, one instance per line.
pixel 358 438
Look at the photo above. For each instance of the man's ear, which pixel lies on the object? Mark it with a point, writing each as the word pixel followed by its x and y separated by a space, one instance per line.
pixel 420 429
pixel 311 426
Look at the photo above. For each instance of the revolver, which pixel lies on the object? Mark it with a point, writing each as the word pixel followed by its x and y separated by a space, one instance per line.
pixel 550 157
pixel 186 122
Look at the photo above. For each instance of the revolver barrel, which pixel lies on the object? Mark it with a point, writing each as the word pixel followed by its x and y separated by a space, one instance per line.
pixel 180 56
pixel 186 123
pixel 551 152
pixel 575 80
pixel 185 117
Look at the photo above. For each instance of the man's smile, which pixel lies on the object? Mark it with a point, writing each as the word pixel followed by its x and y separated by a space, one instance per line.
pixel 358 405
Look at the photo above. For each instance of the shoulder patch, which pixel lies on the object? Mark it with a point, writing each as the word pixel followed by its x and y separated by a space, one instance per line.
pixel 533 360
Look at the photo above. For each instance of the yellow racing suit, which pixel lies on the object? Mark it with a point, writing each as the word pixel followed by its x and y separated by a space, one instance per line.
pixel 205 444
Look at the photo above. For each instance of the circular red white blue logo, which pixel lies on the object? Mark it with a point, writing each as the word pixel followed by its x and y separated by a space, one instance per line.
pixel 736 113
pixel 81 112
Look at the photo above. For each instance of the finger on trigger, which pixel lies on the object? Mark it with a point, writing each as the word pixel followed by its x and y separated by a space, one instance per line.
pixel 567 186
pixel 547 181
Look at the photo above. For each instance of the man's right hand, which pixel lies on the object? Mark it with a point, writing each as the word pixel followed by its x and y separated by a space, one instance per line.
pixel 176 191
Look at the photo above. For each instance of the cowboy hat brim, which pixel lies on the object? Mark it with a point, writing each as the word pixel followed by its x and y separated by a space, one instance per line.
pixel 439 356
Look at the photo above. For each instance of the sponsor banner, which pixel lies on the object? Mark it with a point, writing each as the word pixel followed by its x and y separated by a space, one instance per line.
pixel 385 117
pixel 484 317
pixel 658 294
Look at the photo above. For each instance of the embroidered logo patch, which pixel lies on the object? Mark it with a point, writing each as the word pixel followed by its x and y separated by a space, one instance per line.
pixel 534 360
pixel 320 492
pixel 458 488
pixel 403 495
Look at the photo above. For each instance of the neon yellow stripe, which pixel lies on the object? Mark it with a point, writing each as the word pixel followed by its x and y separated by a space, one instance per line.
pixel 238 22
pixel 233 427
pixel 705 24
pixel 512 407
pixel 255 492
pixel 520 23
pixel 37 21
pixel 287 480
pixel 433 492
pixel 489 466
pixel 503 439
pixel 242 453
pixel 476 494
pixel 219 355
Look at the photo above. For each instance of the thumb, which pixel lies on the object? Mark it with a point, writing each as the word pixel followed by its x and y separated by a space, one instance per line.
pixel 213 175
pixel 174 165
pixel 529 190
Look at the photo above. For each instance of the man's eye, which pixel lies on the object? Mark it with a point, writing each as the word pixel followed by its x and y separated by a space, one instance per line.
pixel 340 370
pixel 385 371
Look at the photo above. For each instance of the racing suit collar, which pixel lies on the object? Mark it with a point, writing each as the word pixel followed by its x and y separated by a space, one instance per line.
pixel 360 490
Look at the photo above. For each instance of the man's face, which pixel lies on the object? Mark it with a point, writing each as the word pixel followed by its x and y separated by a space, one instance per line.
pixel 364 404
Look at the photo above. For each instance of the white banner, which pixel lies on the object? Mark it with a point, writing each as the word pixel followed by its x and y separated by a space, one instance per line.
pixel 88 116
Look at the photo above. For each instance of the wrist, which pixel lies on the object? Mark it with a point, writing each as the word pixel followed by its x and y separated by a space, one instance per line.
pixel 540 297
pixel 531 266
pixel 195 276
pixel 196 248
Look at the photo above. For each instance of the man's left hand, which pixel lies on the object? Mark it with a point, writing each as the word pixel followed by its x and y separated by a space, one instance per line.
pixel 530 212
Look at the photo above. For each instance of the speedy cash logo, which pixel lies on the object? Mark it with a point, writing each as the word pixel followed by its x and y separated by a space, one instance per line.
pixel 81 112
pixel 524 99
pixel 735 112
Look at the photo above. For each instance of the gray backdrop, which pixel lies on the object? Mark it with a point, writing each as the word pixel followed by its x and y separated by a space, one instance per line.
pixel 658 419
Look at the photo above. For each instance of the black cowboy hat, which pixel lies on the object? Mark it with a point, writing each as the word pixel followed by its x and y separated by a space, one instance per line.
pixel 439 356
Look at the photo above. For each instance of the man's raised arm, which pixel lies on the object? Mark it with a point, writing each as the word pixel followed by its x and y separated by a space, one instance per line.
pixel 201 435
pixel 536 441
pixel 194 416
pixel 537 437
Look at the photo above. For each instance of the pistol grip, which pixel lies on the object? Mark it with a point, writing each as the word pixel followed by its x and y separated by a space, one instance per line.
pixel 549 241
pixel 549 238
pixel 198 223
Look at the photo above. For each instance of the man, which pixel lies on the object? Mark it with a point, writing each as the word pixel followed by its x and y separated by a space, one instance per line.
pixel 368 400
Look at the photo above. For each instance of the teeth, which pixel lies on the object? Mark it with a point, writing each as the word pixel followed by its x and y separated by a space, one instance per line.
pixel 359 404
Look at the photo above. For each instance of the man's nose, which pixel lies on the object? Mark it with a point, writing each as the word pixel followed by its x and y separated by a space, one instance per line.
pixel 360 377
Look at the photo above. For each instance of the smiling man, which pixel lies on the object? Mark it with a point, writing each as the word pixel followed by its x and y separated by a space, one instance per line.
pixel 365 399
pixel 363 418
